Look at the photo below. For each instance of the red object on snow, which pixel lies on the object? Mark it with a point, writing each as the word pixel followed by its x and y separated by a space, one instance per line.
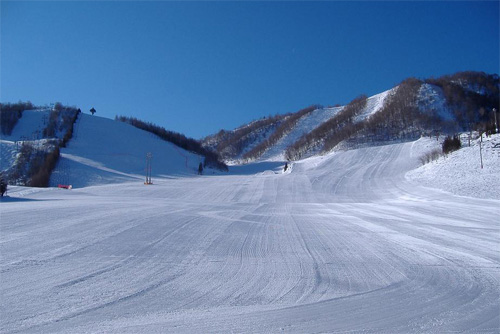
pixel 65 186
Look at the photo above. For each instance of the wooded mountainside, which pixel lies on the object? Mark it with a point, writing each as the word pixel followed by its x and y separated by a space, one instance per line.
pixel 453 103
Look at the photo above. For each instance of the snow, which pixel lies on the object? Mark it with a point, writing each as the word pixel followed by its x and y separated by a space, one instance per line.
pixel 306 124
pixel 310 121
pixel 431 99
pixel 95 157
pixel 253 139
pixel 28 128
pixel 373 105
pixel 8 152
pixel 346 242
pixel 460 172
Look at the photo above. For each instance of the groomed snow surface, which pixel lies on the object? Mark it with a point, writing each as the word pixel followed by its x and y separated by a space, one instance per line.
pixel 106 151
pixel 347 242
pixel 460 172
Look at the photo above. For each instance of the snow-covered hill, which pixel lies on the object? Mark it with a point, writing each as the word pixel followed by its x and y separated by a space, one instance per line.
pixel 305 125
pixel 28 128
pixel 101 151
pixel 446 105
pixel 106 151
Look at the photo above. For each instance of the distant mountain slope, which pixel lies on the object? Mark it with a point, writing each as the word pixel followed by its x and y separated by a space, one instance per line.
pixel 305 125
pixel 107 151
pixel 414 108
pixel 233 145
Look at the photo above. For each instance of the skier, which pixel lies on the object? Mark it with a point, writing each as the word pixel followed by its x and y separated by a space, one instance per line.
pixel 3 187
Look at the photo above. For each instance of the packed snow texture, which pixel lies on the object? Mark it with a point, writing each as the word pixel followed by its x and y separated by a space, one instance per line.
pixel 343 243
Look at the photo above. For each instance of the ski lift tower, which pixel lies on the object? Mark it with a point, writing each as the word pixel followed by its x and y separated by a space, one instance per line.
pixel 149 156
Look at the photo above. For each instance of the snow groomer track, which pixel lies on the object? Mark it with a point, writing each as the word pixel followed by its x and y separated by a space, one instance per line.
pixel 343 243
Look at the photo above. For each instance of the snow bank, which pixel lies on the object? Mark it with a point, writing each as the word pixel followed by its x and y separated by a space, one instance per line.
pixel 460 172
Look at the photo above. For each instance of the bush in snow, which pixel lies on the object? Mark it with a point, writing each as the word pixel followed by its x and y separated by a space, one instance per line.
pixel 451 144
pixel 42 171
pixel 430 156
pixel 34 164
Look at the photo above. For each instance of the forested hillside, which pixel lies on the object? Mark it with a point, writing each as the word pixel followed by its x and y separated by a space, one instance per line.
pixel 447 105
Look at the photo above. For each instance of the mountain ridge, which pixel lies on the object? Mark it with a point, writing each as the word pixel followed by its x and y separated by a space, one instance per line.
pixel 449 104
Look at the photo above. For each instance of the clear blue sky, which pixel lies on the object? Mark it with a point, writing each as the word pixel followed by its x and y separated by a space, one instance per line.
pixel 197 67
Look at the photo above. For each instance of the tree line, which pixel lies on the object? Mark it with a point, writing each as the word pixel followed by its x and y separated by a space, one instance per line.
pixel 286 125
pixel 10 113
pixel 472 97
pixel 189 144
pixel 230 144
pixel 329 133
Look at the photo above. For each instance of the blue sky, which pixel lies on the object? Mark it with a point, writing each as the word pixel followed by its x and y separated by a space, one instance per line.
pixel 197 67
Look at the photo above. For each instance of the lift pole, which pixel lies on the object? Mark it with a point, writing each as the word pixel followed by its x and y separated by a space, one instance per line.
pixel 149 157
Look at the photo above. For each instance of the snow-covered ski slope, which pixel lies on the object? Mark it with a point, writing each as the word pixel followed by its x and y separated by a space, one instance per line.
pixel 306 124
pixel 314 119
pixel 106 151
pixel 29 127
pixel 343 243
